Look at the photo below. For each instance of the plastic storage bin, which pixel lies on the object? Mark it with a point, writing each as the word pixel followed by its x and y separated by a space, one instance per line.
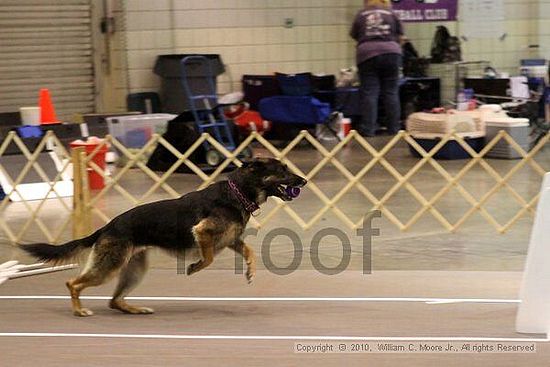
pixel 134 131
pixel 517 128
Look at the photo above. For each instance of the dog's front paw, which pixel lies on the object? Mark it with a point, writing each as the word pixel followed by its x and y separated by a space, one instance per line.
pixel 193 268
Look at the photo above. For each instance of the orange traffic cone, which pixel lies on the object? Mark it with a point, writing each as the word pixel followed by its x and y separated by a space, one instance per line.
pixel 47 111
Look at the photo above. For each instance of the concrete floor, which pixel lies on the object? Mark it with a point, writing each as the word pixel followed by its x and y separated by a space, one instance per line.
pixel 289 322
pixel 427 261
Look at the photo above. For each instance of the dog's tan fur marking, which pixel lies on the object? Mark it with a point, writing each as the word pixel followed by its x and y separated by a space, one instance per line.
pixel 206 236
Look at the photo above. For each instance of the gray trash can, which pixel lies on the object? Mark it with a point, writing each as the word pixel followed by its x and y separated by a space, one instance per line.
pixel 172 95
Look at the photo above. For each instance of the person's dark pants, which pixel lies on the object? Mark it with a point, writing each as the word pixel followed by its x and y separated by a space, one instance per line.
pixel 379 77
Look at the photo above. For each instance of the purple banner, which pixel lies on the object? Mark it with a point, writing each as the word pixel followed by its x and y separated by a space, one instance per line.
pixel 426 11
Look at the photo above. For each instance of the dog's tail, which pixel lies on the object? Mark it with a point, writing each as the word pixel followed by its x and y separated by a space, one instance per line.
pixel 51 253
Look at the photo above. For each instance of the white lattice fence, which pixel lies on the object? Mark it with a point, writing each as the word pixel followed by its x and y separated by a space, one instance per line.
pixel 31 215
pixel 33 218
pixel 332 204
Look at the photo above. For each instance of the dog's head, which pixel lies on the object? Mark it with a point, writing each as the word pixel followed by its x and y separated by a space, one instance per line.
pixel 270 176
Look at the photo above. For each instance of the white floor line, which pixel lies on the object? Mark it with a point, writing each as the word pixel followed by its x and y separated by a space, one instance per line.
pixel 276 337
pixel 434 301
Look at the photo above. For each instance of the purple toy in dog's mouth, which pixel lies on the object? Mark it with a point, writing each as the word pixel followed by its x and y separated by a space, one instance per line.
pixel 292 191
pixel 288 193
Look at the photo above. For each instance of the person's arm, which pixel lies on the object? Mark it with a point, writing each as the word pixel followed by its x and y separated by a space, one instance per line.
pixel 401 38
pixel 354 31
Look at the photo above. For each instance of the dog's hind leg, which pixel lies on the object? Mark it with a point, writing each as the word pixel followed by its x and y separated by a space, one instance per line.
pixel 106 258
pixel 130 276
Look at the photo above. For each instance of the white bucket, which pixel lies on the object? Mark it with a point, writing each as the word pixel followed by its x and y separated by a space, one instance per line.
pixel 30 115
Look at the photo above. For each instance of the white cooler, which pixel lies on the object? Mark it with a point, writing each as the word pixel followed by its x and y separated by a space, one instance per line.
pixel 517 128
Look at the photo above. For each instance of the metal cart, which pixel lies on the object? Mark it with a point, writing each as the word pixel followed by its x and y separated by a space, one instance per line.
pixel 207 112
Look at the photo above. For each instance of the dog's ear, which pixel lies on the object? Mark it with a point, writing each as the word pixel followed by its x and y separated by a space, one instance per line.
pixel 255 163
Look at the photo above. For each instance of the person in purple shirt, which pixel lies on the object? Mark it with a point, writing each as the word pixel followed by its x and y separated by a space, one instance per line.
pixel 378 32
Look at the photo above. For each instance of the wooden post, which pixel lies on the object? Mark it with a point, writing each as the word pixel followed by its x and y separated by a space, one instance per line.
pixel 81 194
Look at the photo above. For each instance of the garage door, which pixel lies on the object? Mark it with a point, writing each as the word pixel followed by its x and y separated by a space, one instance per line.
pixel 46 45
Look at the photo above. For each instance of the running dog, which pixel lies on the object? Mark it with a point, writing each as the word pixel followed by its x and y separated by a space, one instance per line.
pixel 199 224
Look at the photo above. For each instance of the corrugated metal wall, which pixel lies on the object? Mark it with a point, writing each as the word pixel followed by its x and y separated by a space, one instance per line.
pixel 46 45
